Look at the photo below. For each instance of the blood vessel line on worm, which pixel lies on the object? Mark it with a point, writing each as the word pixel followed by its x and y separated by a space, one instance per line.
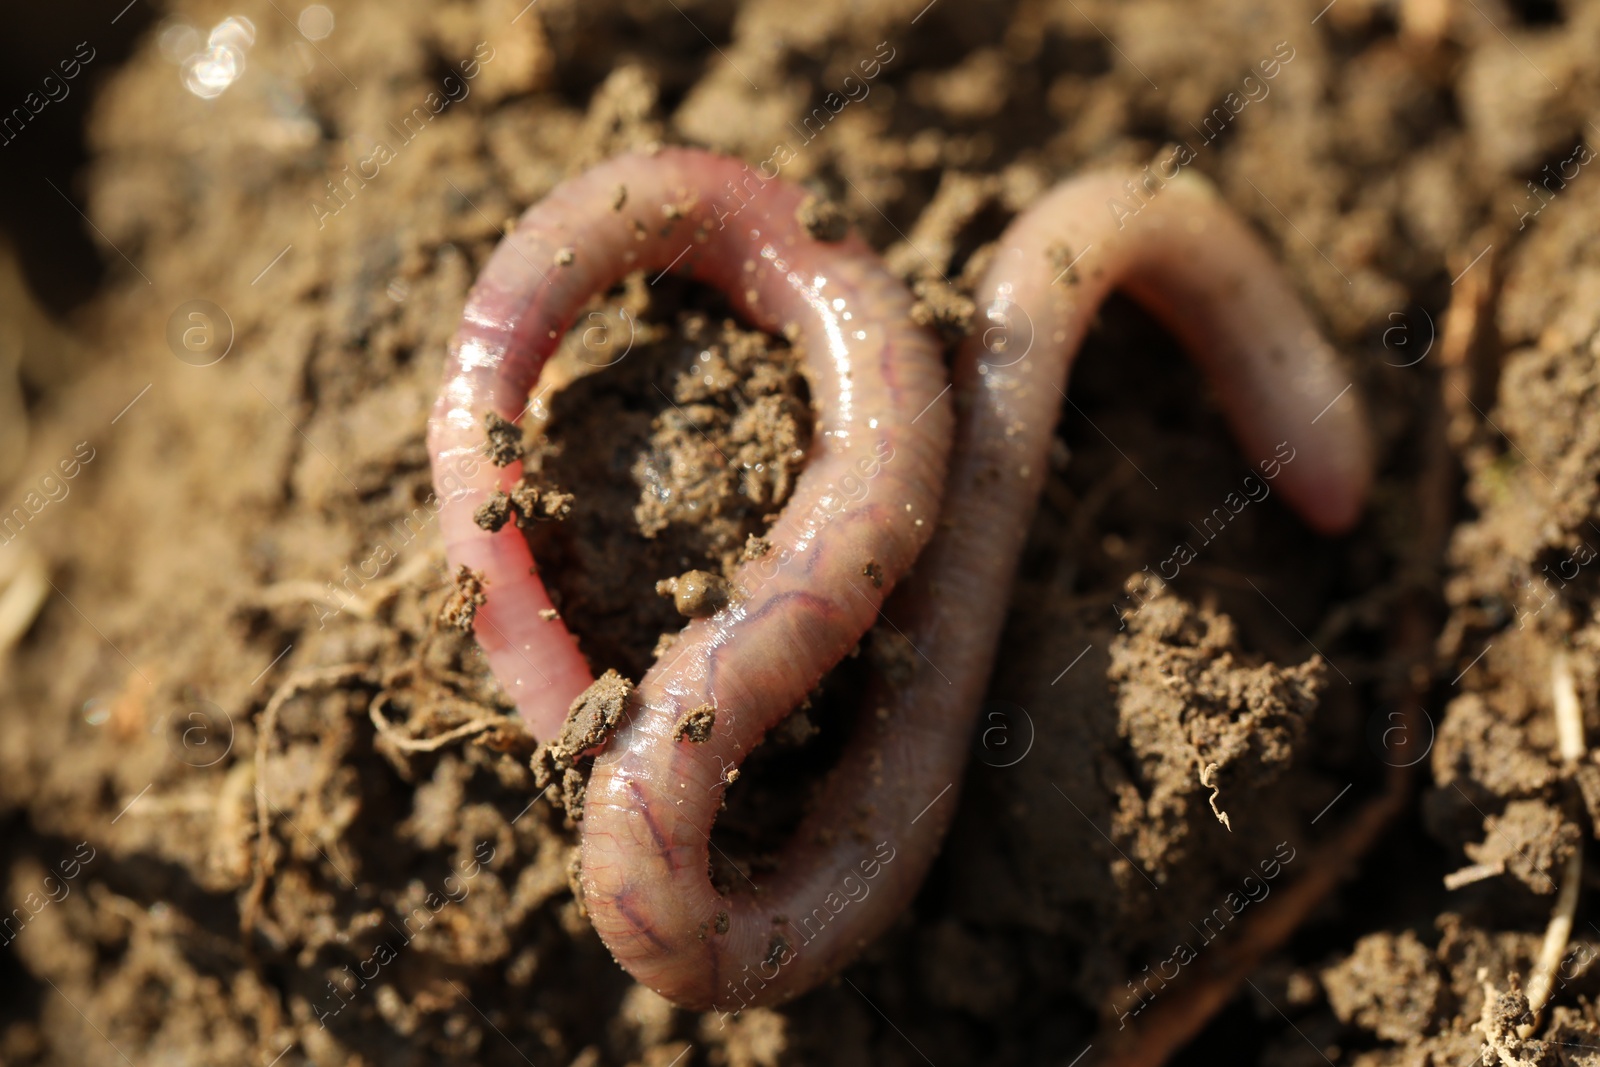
pixel 1188 260
pixel 861 852
pixel 871 373
pixel 865 847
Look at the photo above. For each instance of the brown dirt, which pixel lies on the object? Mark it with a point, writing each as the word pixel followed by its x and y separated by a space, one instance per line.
pixel 259 803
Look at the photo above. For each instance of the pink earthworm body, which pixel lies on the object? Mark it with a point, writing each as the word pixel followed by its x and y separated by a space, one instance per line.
pixel 865 847
pixel 861 853
pixel 866 502
pixel 868 495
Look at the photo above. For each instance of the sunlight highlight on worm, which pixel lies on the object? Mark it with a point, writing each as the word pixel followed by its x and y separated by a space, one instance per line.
pixel 863 850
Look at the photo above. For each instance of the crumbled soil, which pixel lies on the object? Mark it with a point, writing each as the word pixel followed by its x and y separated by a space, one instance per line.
pixel 262 804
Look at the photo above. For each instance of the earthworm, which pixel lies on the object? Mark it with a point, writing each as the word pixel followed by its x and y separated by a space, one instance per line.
pixel 866 844
pixel 868 495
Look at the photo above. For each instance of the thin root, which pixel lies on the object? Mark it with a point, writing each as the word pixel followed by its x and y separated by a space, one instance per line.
pixel 365 607
pixel 1542 978
pixel 406 743
pixel 300 682
pixel 1476 872
pixel 1208 780
pixel 1569 729
pixel 24 585
pixel 1569 716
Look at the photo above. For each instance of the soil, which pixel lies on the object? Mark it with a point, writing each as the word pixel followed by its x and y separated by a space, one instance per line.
pixel 263 803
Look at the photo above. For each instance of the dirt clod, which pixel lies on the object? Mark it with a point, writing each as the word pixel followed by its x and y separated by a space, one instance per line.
pixel 590 721
pixel 504 446
pixel 695 724
pixel 1530 840
pixel 574 787
pixel 593 716
pixel 525 503
pixel 467 595
pixel 696 594
pixel 1389 985
pixel 1503 1015
pixel 943 307
pixel 532 503
pixel 493 513
pixel 796 729
pixel 1192 700
pixel 823 219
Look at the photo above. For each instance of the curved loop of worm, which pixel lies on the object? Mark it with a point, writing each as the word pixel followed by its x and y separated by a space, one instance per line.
pixel 868 495
pixel 865 847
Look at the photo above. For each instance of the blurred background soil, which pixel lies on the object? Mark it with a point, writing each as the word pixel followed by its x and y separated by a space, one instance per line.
pixel 259 809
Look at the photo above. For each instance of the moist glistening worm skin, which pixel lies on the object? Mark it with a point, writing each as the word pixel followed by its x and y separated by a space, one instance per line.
pixel 865 846
pixel 871 486
pixel 1189 261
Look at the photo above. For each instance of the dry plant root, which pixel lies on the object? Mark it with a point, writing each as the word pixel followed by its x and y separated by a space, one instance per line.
pixel 24 585
pixel 1569 731
pixel 301 681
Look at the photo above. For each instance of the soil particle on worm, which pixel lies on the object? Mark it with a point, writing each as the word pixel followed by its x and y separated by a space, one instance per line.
pixel 504 445
pixel 594 714
pixel 695 594
pixel 467 595
pixel 695 724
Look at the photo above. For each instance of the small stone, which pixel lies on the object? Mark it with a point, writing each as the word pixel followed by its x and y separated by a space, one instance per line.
pixel 565 256
pixel 696 594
